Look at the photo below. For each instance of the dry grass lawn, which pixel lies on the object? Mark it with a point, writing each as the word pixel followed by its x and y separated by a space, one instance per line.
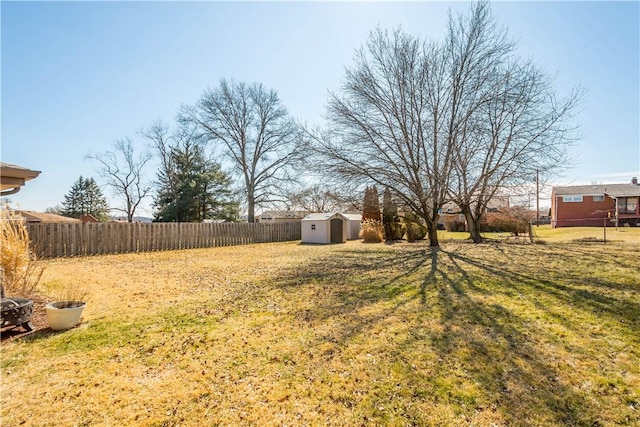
pixel 354 334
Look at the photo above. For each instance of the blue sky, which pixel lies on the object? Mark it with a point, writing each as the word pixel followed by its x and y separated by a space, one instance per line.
pixel 78 75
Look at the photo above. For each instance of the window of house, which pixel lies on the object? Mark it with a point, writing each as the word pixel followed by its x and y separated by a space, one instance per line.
pixel 313 226
pixel 572 199
pixel 598 198
pixel 627 205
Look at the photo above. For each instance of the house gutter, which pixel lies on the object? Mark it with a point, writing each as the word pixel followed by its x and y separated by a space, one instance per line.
pixel 9 192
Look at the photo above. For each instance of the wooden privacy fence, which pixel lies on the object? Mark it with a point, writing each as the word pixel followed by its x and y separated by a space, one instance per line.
pixel 50 240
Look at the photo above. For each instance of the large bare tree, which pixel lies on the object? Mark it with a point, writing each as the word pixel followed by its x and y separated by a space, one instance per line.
pixel 511 125
pixel 255 131
pixel 445 120
pixel 389 123
pixel 123 171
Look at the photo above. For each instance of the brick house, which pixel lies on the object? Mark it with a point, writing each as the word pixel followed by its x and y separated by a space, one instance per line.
pixel 592 205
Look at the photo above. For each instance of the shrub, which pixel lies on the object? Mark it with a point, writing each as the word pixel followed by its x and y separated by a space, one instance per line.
pixel 393 231
pixel 413 228
pixel 513 220
pixel 454 225
pixel 20 271
pixel 371 231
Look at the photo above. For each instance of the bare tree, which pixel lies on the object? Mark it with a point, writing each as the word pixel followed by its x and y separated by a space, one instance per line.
pixel 510 123
pixel 440 121
pixel 390 123
pixel 123 171
pixel 256 133
pixel 315 199
pixel 163 142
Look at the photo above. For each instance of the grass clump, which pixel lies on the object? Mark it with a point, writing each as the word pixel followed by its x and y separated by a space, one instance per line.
pixel 371 231
pixel 20 270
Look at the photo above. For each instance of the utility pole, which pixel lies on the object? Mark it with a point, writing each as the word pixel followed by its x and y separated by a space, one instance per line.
pixel 537 198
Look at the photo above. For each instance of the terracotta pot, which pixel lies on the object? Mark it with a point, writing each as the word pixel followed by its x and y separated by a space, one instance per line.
pixel 63 315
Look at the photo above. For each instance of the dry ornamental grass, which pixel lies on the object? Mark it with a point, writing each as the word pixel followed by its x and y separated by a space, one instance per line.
pixel 354 334
pixel 20 271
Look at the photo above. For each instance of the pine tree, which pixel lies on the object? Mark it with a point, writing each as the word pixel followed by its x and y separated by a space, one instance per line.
pixel 194 188
pixel 85 197
pixel 392 227
pixel 371 205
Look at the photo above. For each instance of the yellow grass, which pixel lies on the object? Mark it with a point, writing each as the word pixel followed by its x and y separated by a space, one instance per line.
pixel 354 334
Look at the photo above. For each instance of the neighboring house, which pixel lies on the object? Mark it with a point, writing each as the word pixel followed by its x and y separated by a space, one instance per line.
pixel 324 228
pixel 354 221
pixel 450 212
pixel 13 177
pixel 281 216
pixel 593 205
pixel 88 218
pixel 30 216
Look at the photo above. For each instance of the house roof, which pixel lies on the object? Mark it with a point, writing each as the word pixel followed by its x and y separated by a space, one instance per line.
pixel 323 216
pixel 353 216
pixel 612 190
pixel 12 177
pixel 281 214
pixel 31 216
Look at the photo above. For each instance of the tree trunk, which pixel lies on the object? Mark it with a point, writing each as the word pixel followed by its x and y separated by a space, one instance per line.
pixel 251 209
pixel 473 224
pixel 432 232
pixel 432 229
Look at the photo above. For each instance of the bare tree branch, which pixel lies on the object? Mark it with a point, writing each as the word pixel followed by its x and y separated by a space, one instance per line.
pixel 123 171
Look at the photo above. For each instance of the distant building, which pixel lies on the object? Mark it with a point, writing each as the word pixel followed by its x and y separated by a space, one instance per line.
pixel 592 205
pixel 275 216
pixel 31 217
pixel 88 218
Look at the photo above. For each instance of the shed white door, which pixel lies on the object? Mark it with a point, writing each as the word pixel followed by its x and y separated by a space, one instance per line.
pixel 336 230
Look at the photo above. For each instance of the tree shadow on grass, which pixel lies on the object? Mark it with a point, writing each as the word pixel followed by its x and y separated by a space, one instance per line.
pixel 488 361
pixel 585 295
pixel 489 345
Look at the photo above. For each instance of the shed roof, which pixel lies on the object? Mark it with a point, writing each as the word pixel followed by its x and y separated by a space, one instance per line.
pixel 612 190
pixel 353 216
pixel 323 216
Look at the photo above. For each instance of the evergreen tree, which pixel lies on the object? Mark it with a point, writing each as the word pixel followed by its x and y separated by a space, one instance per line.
pixel 392 226
pixel 371 205
pixel 85 197
pixel 193 188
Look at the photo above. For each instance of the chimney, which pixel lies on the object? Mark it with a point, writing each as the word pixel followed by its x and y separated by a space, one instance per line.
pixel 634 180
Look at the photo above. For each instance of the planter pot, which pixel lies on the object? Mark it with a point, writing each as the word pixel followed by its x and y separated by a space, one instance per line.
pixel 64 314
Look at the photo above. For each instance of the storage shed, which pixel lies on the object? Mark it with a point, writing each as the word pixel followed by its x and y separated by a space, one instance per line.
pixel 324 228
pixel 353 226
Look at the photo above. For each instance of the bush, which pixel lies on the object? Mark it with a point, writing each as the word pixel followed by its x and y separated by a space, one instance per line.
pixel 454 225
pixel 413 229
pixel 20 271
pixel 514 220
pixel 371 231
pixel 393 231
